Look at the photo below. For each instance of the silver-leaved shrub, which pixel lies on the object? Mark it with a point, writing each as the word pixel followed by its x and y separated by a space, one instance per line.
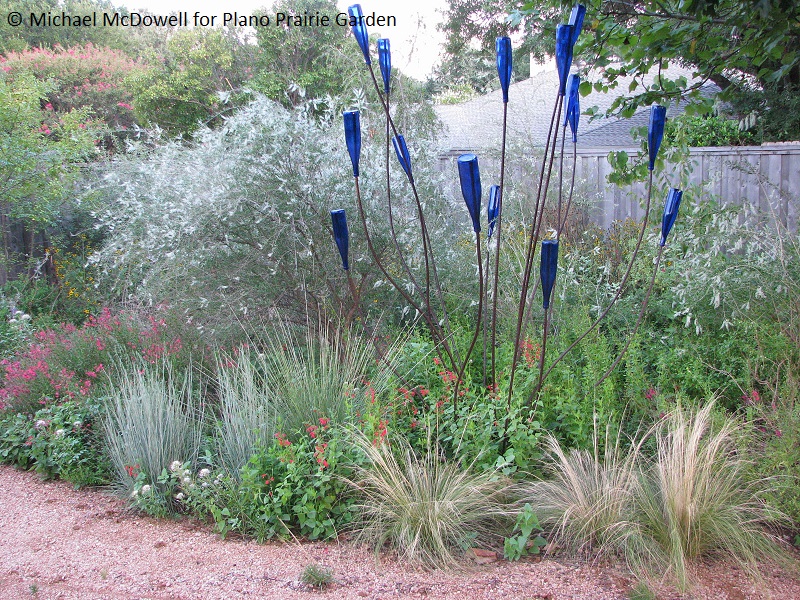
pixel 236 225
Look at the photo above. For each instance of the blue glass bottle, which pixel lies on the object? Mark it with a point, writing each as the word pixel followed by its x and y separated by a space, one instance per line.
pixel 385 62
pixel 547 269
pixel 655 132
pixel 671 207
pixel 470 178
pixel 400 148
pixel 341 235
pixel 503 49
pixel 563 55
pixel 352 137
pixel 360 30
pixel 493 208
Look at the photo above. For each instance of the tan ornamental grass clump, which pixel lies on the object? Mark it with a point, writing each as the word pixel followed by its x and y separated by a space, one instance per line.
pixel 586 498
pixel 429 510
pixel 688 498
pixel 696 500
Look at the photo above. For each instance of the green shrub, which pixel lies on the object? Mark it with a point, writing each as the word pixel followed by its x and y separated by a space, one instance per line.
pixel 291 486
pixel 481 429
pixel 707 130
pixel 778 429
pixel 193 223
pixel 521 544
pixel 60 441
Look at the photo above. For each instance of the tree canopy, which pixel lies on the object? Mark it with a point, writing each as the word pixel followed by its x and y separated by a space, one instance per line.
pixel 199 72
pixel 41 152
pixel 293 61
pixel 24 36
pixel 750 49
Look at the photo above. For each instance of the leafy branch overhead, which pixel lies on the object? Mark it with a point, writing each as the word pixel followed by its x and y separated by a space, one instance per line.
pixel 751 50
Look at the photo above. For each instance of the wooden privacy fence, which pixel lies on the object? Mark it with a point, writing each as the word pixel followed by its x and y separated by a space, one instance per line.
pixel 765 177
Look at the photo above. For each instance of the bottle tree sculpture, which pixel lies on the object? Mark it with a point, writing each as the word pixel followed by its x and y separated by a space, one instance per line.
pixel 423 293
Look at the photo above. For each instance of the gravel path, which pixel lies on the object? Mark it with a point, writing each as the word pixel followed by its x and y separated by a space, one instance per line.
pixel 60 543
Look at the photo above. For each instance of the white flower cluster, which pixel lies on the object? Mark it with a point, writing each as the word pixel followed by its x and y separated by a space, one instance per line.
pixel 184 479
pixel 19 317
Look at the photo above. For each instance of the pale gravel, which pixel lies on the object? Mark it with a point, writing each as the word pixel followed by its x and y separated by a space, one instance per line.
pixel 83 544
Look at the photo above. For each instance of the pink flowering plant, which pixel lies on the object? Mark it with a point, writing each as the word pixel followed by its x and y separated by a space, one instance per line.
pixel 69 363
pixel 81 76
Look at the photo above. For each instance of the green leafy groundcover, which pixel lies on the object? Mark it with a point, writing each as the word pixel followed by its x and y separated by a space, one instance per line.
pixel 58 441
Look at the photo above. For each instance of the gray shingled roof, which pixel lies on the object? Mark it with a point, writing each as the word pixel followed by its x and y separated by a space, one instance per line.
pixel 477 124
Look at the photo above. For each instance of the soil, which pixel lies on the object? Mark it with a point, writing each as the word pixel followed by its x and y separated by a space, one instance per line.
pixel 58 542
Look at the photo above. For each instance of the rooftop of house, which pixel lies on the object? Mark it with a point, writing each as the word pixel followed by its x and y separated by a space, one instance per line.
pixel 477 123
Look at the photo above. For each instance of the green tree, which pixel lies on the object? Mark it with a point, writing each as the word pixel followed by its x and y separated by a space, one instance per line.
pixel 295 63
pixel 41 152
pixel 199 76
pixel 471 28
pixel 751 50
pixel 471 72
pixel 31 36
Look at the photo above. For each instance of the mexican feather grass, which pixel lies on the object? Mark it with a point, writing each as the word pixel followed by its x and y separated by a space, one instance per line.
pixel 689 496
pixel 427 509
pixel 696 499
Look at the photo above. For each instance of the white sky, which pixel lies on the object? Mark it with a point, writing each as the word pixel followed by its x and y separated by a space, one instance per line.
pixel 415 41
